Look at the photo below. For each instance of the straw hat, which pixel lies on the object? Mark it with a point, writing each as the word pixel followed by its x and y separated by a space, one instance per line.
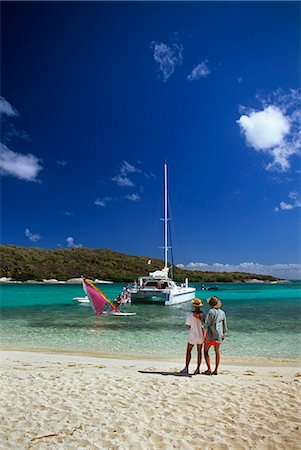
pixel 197 302
pixel 214 302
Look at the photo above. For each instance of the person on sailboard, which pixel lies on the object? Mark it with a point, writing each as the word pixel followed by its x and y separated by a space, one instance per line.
pixel 125 294
pixel 118 301
pixel 196 335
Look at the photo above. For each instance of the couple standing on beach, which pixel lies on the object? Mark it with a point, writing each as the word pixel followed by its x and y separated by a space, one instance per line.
pixel 208 329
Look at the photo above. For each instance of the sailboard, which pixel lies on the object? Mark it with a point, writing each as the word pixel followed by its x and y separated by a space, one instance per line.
pixel 123 314
pixel 101 304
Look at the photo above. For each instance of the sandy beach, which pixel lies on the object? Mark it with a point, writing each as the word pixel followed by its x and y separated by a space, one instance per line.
pixel 67 401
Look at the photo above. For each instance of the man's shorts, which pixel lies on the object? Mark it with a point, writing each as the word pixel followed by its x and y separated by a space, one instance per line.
pixel 212 342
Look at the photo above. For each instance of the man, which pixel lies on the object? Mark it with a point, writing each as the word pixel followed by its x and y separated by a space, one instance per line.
pixel 195 335
pixel 216 326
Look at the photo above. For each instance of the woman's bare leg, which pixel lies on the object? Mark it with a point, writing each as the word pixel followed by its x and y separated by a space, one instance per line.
pixel 188 358
pixel 199 348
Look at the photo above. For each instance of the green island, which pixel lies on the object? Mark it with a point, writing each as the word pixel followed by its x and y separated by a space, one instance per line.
pixel 32 263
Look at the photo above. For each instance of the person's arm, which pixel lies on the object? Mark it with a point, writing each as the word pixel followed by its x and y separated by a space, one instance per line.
pixel 188 320
pixel 225 328
pixel 203 318
pixel 209 319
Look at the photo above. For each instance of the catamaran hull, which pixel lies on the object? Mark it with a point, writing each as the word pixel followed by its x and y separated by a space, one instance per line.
pixel 166 297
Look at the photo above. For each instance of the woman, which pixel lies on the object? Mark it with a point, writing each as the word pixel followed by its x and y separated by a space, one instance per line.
pixel 195 335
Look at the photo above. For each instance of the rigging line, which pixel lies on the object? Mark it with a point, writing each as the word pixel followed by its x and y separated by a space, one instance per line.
pixel 157 224
pixel 177 237
pixel 171 223
pixel 170 236
pixel 171 251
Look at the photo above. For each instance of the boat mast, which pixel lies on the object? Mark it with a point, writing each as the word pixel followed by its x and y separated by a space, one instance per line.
pixel 165 217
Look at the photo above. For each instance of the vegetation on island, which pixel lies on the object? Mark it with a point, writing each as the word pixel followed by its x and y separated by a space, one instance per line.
pixel 31 263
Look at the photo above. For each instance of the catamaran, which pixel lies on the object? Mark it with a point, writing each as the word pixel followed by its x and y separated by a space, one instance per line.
pixel 158 286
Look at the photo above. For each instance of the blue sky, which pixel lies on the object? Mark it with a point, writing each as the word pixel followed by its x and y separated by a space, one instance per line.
pixel 95 97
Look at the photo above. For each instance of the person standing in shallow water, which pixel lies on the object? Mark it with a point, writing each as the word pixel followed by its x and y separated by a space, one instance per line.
pixel 196 335
pixel 216 325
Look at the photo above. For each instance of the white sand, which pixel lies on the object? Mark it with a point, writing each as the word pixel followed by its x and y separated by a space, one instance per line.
pixel 59 401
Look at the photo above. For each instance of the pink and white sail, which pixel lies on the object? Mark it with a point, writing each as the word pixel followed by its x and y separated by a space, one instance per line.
pixel 97 298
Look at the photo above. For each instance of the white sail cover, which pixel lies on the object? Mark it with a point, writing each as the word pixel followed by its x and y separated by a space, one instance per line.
pixel 160 273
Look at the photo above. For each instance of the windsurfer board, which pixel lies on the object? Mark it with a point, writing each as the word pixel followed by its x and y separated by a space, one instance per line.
pixel 122 314
pixel 115 313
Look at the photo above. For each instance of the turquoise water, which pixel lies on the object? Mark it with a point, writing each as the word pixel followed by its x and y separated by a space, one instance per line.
pixel 263 321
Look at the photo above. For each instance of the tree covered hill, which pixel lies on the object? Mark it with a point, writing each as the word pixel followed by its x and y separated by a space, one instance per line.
pixel 31 263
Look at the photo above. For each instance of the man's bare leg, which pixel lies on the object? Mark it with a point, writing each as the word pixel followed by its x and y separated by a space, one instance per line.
pixel 207 359
pixel 217 358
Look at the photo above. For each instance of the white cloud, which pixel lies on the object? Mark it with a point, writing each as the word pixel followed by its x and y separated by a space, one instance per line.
pixel 125 172
pixel 24 167
pixel 133 197
pixel 122 181
pixel 61 163
pixel 12 132
pixel 122 178
pixel 287 271
pixel 294 202
pixel 265 129
pixel 168 58
pixel 199 71
pixel 99 202
pixel 150 176
pixel 283 206
pixel 71 243
pixel 6 108
pixel 32 237
pixel 127 168
pixel 103 202
pixel 276 129
pixel 67 213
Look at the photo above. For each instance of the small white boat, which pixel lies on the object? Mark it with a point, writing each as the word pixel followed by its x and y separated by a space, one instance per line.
pixel 158 287
pixel 82 300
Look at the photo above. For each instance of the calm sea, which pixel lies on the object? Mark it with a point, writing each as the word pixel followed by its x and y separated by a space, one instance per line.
pixel 263 321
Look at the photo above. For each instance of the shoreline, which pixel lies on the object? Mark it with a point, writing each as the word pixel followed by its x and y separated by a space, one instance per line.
pixel 225 360
pixel 58 283
pixel 75 281
pixel 55 400
pixel 53 282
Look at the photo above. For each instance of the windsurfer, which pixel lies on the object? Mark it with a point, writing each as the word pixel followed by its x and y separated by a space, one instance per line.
pixel 125 294
pixel 118 301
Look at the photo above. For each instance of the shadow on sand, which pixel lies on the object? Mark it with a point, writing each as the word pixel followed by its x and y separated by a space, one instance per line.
pixel 175 374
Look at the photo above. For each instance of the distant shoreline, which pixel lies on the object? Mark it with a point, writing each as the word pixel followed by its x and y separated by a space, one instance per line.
pixel 51 282
pixel 32 264
pixel 69 282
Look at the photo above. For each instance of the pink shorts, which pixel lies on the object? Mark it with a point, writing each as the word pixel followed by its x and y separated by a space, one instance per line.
pixel 212 342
